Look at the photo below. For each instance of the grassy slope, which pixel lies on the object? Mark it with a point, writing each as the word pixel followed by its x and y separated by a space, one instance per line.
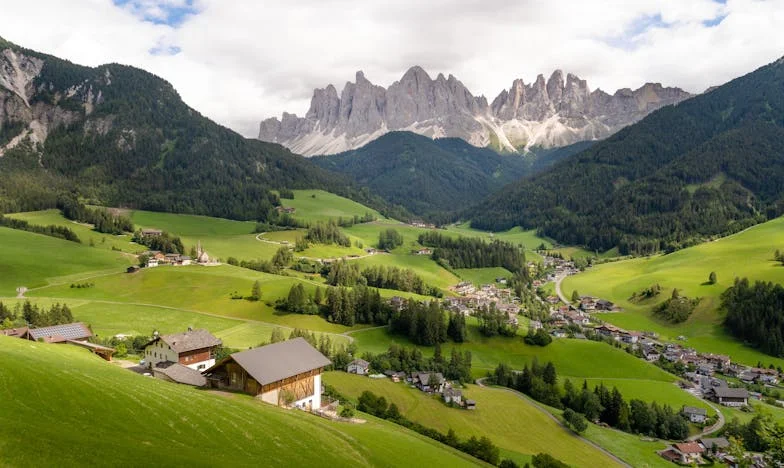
pixel 84 231
pixel 481 276
pixel 573 359
pixel 510 422
pixel 33 260
pixel 197 288
pixel 221 238
pixel 89 411
pixel 324 206
pixel 746 254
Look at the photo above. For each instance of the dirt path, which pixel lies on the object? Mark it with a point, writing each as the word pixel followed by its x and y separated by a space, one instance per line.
pixel 538 406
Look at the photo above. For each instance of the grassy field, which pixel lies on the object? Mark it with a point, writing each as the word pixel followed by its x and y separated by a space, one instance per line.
pixel 512 423
pixel 84 231
pixel 431 272
pixel 34 260
pixel 221 238
pixel 90 411
pixel 318 205
pixel 481 276
pixel 747 254
pixel 201 289
pixel 576 360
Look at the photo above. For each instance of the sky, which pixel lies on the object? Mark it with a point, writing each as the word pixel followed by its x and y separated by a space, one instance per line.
pixel 240 61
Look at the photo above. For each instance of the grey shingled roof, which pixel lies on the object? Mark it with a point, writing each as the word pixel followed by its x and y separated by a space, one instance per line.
pixel 360 362
pixel 727 392
pixel 278 361
pixel 694 410
pixel 719 442
pixel 69 331
pixel 183 374
pixel 190 340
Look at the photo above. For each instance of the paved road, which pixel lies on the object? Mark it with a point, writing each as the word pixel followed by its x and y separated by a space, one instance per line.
pixel 558 291
pixel 526 398
pixel 712 429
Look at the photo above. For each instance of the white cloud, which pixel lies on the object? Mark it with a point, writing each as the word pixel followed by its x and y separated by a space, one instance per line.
pixel 238 61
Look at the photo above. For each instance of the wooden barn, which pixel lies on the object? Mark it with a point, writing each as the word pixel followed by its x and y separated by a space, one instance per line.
pixel 284 374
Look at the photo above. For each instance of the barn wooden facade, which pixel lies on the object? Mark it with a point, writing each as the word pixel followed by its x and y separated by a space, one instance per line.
pixel 284 374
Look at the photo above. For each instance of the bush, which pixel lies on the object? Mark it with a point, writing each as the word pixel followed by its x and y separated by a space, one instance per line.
pixel 347 412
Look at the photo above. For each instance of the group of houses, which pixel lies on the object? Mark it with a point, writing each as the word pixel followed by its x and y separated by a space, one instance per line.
pixel 694 452
pixel 287 373
pixel 472 298
pixel 156 258
pixel 75 334
pixel 428 382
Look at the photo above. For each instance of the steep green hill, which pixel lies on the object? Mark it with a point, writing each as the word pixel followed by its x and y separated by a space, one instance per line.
pixel 748 254
pixel 426 175
pixel 75 409
pixel 120 136
pixel 710 165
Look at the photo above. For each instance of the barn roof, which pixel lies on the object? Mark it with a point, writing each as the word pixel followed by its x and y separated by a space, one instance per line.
pixel 278 361
pixel 727 392
pixel 60 333
pixel 189 340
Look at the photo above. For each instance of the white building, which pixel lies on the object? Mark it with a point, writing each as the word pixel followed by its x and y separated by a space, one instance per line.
pixel 358 366
pixel 194 349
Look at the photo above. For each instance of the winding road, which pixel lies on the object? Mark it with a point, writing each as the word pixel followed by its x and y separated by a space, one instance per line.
pixel 558 291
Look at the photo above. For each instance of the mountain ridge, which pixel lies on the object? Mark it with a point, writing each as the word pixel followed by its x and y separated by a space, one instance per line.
pixel 547 113
pixel 710 166
pixel 120 136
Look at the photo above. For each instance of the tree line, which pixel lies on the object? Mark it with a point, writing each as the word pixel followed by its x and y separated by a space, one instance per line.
pixel 755 314
pixel 427 323
pixel 34 316
pixel 600 405
pixel 345 273
pixel 389 239
pixel 469 252
pixel 400 358
pixel 59 232
pixel 163 242
pixel 327 233
pixel 346 306
pixel 101 219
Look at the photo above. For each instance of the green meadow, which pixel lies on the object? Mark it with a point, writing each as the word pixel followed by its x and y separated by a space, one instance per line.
pixel 85 231
pixel 746 254
pixel 92 410
pixel 481 276
pixel 318 205
pixel 34 260
pixel 199 289
pixel 513 424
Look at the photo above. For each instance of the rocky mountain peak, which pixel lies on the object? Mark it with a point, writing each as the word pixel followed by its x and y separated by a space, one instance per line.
pixel 556 111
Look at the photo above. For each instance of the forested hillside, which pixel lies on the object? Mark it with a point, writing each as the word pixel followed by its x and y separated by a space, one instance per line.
pixel 427 176
pixel 120 136
pixel 711 165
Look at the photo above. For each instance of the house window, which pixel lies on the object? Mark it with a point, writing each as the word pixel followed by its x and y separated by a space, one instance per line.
pixel 202 366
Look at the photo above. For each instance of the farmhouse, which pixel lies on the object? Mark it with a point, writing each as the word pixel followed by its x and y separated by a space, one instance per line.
pixel 194 349
pixel 75 334
pixel 151 232
pixel 358 366
pixel 729 396
pixel 688 452
pixel 15 332
pixel 453 395
pixel 285 373
pixel 716 444
pixel 59 333
pixel 424 251
pixel 695 415
pixel 429 381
